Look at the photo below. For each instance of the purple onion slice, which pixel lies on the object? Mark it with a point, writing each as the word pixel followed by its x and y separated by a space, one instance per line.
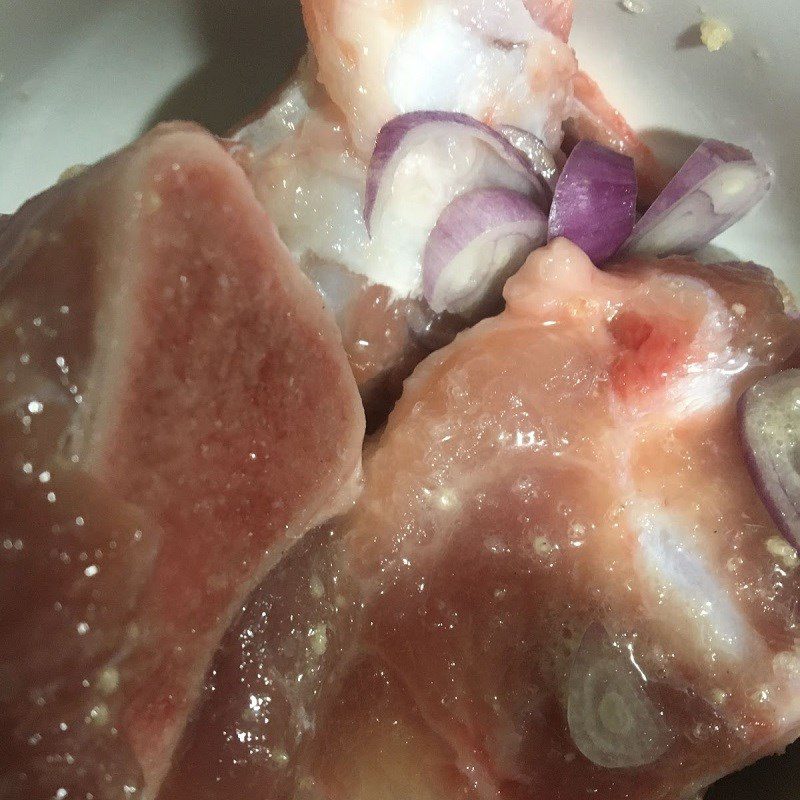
pixel 401 134
pixel 716 187
pixel 611 718
pixel 479 240
pixel 594 204
pixel 769 426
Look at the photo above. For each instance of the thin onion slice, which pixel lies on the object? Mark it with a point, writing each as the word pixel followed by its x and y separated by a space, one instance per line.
pixel 479 240
pixel 769 426
pixel 402 133
pixel 611 719
pixel 716 187
pixel 594 204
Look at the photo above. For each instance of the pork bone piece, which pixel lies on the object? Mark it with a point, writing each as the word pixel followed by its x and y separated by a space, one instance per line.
pixel 176 410
pixel 559 582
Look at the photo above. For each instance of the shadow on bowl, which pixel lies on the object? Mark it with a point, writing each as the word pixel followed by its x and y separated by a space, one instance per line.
pixel 251 48
pixel 670 147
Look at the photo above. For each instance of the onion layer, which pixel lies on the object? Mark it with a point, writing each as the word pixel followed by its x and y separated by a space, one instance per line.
pixel 611 719
pixel 769 425
pixel 594 204
pixel 716 187
pixel 401 134
pixel 480 239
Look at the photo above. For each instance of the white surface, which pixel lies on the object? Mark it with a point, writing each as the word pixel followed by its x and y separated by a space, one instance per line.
pixel 82 77
pixel 654 68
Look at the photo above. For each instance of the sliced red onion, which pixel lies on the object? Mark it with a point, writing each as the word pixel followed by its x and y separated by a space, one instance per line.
pixel 533 147
pixel 611 719
pixel 480 239
pixel 716 187
pixel 401 134
pixel 594 204
pixel 769 425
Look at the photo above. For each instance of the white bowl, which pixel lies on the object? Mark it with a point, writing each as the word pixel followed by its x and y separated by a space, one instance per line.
pixel 80 78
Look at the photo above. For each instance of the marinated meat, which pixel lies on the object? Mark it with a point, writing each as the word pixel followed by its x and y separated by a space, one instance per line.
pixel 176 411
pixel 504 63
pixel 559 581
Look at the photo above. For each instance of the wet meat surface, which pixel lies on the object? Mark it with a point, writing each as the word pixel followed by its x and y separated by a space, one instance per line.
pixel 559 580
pixel 505 62
pixel 176 410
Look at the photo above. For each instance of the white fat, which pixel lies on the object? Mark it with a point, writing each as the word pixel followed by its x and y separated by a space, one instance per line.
pixel 317 204
pixel 503 20
pixel 709 379
pixel 444 63
pixel 682 579
pixel 337 285
pixel 708 389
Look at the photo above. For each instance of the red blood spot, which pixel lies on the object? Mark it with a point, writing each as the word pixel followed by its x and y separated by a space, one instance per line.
pixel 650 349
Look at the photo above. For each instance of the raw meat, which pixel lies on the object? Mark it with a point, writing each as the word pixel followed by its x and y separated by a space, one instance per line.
pixel 505 62
pixel 176 410
pixel 307 155
pixel 496 60
pixel 559 581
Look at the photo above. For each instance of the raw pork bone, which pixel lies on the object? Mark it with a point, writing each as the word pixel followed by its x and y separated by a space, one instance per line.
pixel 557 509
pixel 176 410
pixel 307 152
pixel 505 63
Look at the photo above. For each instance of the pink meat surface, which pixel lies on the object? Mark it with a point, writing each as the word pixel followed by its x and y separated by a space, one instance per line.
pixel 559 581
pixel 176 410
pixel 552 15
